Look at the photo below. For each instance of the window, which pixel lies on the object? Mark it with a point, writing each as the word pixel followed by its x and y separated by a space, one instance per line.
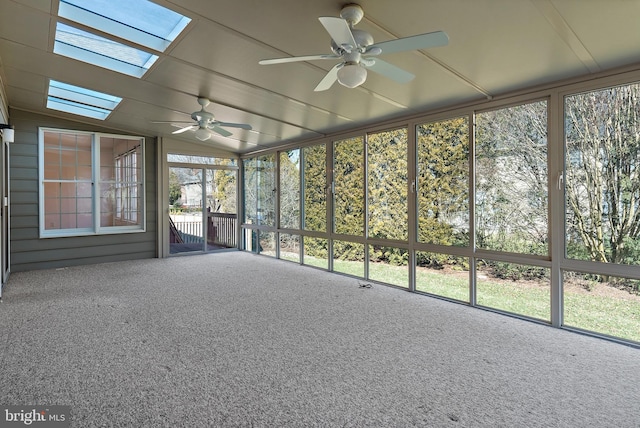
pixel 290 189
pixel 93 49
pixel 90 183
pixel 387 184
pixel 511 209
pixel 126 187
pixel 601 282
pixel 348 178
pixel 138 21
pixel 443 182
pixel 602 185
pixel 314 187
pixel 77 100
pixel 260 190
pixel 511 179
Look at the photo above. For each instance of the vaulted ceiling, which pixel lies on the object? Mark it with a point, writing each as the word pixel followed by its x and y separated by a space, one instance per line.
pixel 495 46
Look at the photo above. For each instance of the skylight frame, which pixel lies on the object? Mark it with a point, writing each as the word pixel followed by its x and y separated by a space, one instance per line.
pixel 80 101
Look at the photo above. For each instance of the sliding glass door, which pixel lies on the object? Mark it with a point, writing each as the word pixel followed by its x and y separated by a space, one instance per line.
pixel 202 209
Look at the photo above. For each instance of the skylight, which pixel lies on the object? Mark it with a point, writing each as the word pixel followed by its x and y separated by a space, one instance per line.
pixel 96 50
pixel 81 101
pixel 139 21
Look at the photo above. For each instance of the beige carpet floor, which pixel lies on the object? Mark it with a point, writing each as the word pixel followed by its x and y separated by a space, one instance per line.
pixel 239 340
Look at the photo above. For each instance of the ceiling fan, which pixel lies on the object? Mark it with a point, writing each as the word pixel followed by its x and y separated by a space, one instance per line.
pixel 358 53
pixel 206 123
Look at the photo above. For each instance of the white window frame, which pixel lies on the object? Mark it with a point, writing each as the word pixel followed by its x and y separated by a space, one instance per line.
pixel 96 182
pixel 126 187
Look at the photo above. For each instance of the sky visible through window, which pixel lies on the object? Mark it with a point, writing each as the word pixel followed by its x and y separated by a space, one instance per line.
pixel 80 101
pixel 132 23
pixel 96 50
pixel 139 21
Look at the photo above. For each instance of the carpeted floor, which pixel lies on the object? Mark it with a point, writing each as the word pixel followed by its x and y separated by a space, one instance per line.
pixel 234 339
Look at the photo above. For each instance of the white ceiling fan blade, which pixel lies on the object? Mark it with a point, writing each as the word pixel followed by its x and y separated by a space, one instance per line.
pixel 339 31
pixel 235 125
pixel 172 121
pixel 328 80
pixel 221 131
pixel 421 41
pixel 296 59
pixel 185 129
pixel 390 70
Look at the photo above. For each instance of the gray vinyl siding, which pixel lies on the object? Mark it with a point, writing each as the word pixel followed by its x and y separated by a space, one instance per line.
pixel 28 251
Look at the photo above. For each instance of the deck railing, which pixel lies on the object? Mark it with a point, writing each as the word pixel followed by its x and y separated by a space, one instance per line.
pixel 221 229
pixel 225 231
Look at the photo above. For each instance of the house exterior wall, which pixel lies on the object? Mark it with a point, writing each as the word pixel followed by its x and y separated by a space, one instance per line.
pixel 28 251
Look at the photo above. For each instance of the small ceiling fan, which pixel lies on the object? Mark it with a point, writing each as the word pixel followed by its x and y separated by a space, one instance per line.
pixel 358 53
pixel 206 123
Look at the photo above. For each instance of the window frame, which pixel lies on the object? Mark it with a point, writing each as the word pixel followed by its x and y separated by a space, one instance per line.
pixel 96 182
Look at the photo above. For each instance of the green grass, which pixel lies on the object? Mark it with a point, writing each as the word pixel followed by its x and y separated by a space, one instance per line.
pixel 607 315
pixel 450 286
pixel 612 316
pixel 314 261
pixel 516 297
pixel 350 268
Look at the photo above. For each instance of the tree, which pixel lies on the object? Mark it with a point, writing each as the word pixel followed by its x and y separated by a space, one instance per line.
pixel 315 188
pixel 175 189
pixel 443 182
pixel 348 176
pixel 602 182
pixel 511 179
pixel 348 207
pixel 387 184
pixel 290 189
pixel 224 190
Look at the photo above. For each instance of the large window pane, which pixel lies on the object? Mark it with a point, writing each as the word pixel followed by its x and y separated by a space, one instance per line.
pixel 387 184
pixel 516 288
pixel 348 176
pixel 602 185
pixel 290 189
pixel 315 184
pixel 260 190
pixel 443 182
pixel 221 208
pixel 603 304
pixel 443 275
pixel 511 179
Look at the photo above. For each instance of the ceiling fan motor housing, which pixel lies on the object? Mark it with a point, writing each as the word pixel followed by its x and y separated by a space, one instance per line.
pixel 352 13
pixel 202 117
pixel 362 38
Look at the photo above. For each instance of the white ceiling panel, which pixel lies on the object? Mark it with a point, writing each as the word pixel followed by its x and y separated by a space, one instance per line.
pixel 495 46
pixel 611 34
pixel 25 24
